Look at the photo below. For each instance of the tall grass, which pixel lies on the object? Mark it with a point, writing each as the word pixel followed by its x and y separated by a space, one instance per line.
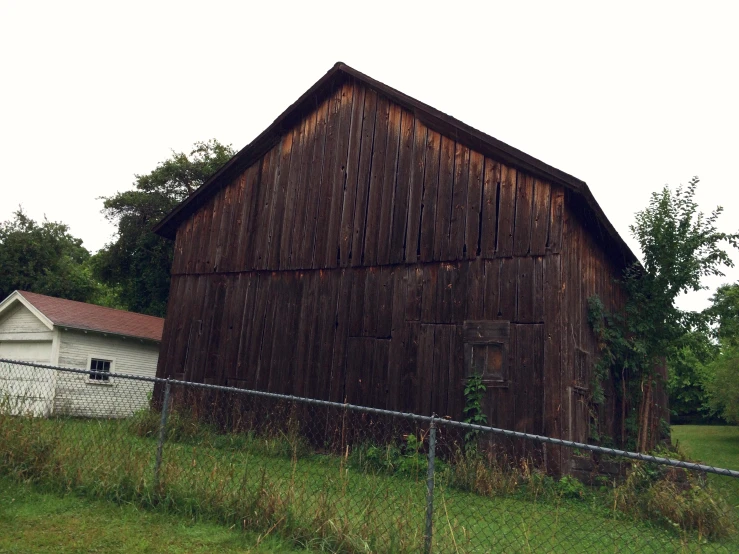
pixel 364 499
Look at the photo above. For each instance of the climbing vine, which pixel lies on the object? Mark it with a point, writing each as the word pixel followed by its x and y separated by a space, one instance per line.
pixel 474 392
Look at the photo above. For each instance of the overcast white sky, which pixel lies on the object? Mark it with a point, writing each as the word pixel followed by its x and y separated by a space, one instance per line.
pixel 628 99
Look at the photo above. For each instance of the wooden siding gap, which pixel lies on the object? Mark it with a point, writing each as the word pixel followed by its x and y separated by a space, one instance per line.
pixel 489 206
pixel 473 218
pixel 363 178
pixel 402 188
pixel 430 190
pixel 338 178
pixel 458 225
pixel 524 211
pixel 444 191
pixel 325 192
pixel 540 218
pixel 317 177
pixel 352 176
pixel 389 185
pixel 415 194
pixel 377 173
pixel 507 210
pixel 300 144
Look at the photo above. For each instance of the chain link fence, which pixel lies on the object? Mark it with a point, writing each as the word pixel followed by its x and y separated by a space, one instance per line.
pixel 342 478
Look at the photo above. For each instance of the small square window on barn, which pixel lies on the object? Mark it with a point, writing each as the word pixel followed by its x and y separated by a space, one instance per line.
pixel 486 350
pixel 100 370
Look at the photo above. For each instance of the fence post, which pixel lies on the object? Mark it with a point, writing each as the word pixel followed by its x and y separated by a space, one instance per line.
pixel 430 488
pixel 162 434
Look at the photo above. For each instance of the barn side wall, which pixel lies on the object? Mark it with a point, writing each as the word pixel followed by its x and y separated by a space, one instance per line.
pixel 344 263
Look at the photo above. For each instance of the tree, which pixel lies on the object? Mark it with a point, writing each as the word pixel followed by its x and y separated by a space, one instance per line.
pixel 138 262
pixel 46 259
pixel 679 246
pixel 689 372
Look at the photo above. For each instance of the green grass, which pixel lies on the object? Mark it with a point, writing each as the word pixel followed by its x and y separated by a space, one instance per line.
pixel 716 445
pixel 35 521
pixel 280 487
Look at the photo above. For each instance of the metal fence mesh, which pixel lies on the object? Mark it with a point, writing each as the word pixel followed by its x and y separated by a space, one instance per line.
pixel 343 478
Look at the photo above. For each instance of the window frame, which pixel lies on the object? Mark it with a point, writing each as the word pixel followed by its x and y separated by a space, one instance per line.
pixel 487 333
pixel 102 382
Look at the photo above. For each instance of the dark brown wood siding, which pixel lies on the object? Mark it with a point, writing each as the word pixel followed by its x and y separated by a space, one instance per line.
pixel 344 263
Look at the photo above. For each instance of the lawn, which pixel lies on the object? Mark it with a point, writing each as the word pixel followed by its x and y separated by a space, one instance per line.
pixel 35 521
pixel 284 488
pixel 716 445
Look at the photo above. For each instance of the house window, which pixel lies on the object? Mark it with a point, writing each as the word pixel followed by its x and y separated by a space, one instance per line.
pixel 100 369
pixel 486 350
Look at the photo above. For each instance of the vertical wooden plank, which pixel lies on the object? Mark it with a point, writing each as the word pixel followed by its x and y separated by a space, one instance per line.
pixel 552 379
pixel 476 289
pixel 247 227
pixel 229 193
pixel 305 324
pixel 414 293
pixel 444 297
pixel 458 289
pixel 493 301
pixel 300 145
pixel 377 173
pixel 444 200
pixel 356 308
pixel 506 211
pixel 428 199
pixel 369 323
pixel 425 371
pixel 338 361
pixel 457 245
pixel 353 165
pixel 402 188
pixel 337 176
pixel 540 217
pixel 508 289
pixel 302 179
pixel 325 191
pixel 264 207
pixel 429 293
pixel 522 226
pixel 276 219
pixel 385 302
pixel 389 184
pixel 396 366
pixel 473 219
pixel 525 290
pixel 354 362
pixel 210 234
pixel 492 176
pixel 539 290
pixel 327 324
pixel 262 293
pixel 315 186
pixel 363 176
pixel 440 386
pixel 247 325
pixel 455 396
pixel 415 195
pixel 380 385
pixel 410 400
pixel 229 252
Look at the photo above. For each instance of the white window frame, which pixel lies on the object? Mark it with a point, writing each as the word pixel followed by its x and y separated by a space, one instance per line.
pixel 99 382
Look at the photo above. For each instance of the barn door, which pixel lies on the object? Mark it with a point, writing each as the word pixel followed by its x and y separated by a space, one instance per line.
pixel 510 359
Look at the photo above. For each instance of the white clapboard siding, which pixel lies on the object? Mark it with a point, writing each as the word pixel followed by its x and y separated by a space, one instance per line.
pixel 26 390
pixel 21 320
pixel 78 395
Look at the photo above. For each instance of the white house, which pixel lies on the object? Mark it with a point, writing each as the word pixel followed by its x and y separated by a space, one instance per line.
pixel 48 330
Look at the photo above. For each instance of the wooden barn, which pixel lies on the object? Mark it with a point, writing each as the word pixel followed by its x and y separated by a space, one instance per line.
pixel 368 248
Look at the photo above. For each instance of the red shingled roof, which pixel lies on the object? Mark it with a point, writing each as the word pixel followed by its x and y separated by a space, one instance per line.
pixel 78 315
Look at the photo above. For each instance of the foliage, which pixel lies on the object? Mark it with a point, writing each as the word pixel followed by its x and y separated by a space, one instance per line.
pixel 723 384
pixel 138 262
pixel 45 258
pixel 689 371
pixel 474 393
pixel 679 246
pixel 675 498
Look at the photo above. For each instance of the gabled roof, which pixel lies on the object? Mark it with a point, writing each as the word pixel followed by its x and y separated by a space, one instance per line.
pixel 88 317
pixel 431 117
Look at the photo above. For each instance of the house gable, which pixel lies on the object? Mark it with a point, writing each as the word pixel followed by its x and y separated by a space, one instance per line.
pixel 17 318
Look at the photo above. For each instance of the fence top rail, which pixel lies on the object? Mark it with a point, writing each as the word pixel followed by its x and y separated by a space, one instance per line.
pixel 380 411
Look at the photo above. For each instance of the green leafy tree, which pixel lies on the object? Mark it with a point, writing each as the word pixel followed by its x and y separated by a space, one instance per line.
pixel 723 384
pixel 137 263
pixel 689 371
pixel 679 245
pixel 45 258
